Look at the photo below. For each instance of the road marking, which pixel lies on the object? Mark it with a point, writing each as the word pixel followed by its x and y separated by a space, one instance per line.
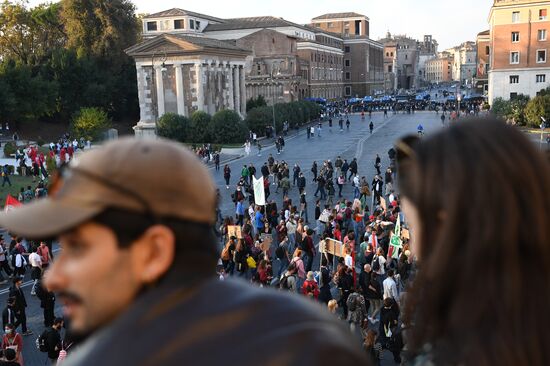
pixel 24 284
pixel 359 149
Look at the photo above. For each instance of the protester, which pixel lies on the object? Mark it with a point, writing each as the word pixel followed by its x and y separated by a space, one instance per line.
pixel 476 197
pixel 118 229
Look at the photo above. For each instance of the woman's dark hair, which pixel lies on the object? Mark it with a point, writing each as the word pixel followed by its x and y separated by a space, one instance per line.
pixel 482 293
pixel 195 242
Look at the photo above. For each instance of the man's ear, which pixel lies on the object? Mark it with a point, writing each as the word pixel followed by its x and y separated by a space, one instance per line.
pixel 153 253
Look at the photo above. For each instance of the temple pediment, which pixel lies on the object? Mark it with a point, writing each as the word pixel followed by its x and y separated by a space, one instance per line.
pixel 174 44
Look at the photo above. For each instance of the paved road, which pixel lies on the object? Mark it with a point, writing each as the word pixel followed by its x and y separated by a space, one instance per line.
pixel 357 142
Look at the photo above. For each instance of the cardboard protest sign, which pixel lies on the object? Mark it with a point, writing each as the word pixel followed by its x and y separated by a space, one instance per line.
pixel 405 234
pixel 334 247
pixel 234 230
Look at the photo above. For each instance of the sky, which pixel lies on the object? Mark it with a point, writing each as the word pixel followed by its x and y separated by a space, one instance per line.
pixel 449 22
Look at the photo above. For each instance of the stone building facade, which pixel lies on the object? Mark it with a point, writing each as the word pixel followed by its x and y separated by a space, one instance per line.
pixel 519 43
pixel 483 45
pixel 182 74
pixel 439 70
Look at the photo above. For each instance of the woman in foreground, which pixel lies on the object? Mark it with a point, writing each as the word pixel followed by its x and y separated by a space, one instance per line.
pixel 477 199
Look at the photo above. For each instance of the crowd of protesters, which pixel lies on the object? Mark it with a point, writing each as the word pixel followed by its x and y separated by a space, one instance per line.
pixel 382 291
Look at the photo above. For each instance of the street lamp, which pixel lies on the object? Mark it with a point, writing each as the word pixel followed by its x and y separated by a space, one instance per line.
pixel 542 126
pixel 458 99
pixel 271 80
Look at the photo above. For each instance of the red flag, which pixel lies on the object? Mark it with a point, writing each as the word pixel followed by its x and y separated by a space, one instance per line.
pixel 11 203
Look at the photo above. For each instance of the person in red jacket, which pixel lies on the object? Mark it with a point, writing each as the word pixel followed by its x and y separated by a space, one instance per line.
pixel 310 287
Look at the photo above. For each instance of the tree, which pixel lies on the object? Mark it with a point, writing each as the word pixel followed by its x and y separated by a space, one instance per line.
pixel 173 126
pixel 536 108
pixel 501 108
pixel 227 127
pixel 27 96
pixel 28 36
pixel 102 28
pixel 199 129
pixel 519 104
pixel 255 103
pixel 90 123
pixel 258 118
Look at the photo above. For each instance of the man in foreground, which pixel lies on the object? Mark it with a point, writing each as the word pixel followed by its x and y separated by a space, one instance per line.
pixel 136 272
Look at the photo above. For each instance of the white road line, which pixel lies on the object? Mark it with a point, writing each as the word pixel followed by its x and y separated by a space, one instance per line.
pixel 24 284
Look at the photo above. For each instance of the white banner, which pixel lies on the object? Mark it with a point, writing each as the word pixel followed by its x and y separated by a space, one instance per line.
pixel 259 194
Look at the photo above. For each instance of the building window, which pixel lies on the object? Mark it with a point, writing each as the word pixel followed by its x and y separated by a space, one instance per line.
pixel 191 24
pixel 542 35
pixel 346 49
pixel 348 76
pixel 406 57
pixel 329 25
pixel 541 78
pixel 347 91
pixel 513 95
pixel 541 56
pixel 486 50
pixel 151 26
pixel 514 79
pixel 514 57
pixel 347 63
pixel 197 25
pixel 515 17
pixel 179 24
pixel 515 37
pixel 391 54
pixel 390 68
pixel 542 14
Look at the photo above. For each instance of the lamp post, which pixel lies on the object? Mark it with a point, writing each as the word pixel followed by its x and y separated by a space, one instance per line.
pixel 542 126
pixel 458 99
pixel 271 80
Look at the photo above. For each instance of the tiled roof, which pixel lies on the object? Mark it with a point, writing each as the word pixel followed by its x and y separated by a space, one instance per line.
pixel 252 22
pixel 484 33
pixel 208 42
pixel 338 15
pixel 146 45
pixel 180 12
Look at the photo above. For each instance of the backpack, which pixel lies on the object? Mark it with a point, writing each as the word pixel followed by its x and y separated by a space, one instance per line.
pixel 280 252
pixel 310 290
pixel 41 341
pixel 353 305
pixel 376 264
pixel 283 285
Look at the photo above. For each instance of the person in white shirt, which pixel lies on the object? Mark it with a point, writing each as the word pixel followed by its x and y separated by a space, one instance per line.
pixel 381 261
pixel 36 272
pixel 390 288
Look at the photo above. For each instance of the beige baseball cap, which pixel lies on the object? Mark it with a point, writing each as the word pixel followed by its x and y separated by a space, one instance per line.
pixel 156 177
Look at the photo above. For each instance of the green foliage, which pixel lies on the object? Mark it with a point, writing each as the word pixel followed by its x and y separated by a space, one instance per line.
pixel 519 104
pixel 29 35
pixel 227 127
pixel 24 95
pixel 58 58
pixel 9 149
pixel 295 113
pixel 90 123
pixel 199 129
pixel 173 126
pixel 102 28
pixel 255 103
pixel 536 108
pixel 511 110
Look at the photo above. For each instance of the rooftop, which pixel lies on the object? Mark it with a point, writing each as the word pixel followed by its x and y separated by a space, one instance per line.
pixel 181 12
pixel 252 22
pixel 339 16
